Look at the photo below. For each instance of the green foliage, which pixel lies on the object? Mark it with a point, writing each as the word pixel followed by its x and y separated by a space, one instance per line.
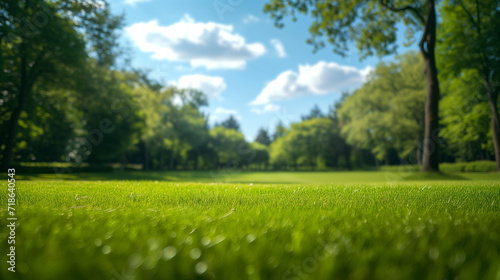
pixel 261 153
pixel 472 44
pixel 229 146
pixel 263 137
pixel 48 168
pixel 469 60
pixel 453 167
pixel 314 142
pixel 466 116
pixel 44 45
pixel 481 166
pixel 456 167
pixel 369 23
pixel 230 123
pixel 314 114
pixel 158 230
pixel 387 111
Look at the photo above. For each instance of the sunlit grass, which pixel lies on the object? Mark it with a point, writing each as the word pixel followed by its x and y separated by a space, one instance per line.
pixel 171 230
pixel 228 176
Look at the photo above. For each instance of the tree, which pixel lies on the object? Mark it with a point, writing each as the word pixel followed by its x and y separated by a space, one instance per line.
pixel 231 123
pixel 190 127
pixel 42 41
pixel 313 143
pixel 466 117
pixel 314 114
pixel 372 25
pixel 227 144
pixel 157 108
pixel 386 112
pixel 474 45
pixel 263 137
pixel 110 119
pixel 261 152
pixel 280 131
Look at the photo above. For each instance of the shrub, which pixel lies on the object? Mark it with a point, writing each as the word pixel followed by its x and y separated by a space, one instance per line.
pixel 452 167
pixel 481 166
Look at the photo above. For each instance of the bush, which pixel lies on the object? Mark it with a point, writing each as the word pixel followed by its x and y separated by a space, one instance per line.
pixel 453 167
pixel 401 168
pixel 481 166
pixel 456 167
pixel 474 166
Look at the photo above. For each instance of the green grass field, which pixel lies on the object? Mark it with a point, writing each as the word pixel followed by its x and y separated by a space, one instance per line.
pixel 265 177
pixel 346 225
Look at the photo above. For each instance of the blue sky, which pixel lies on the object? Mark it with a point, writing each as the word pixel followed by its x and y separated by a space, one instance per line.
pixel 231 50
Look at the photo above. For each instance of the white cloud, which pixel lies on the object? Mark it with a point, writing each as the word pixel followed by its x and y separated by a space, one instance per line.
pixel 212 86
pixel 221 114
pixel 278 46
pixel 251 18
pixel 318 79
pixel 269 108
pixel 133 2
pixel 210 45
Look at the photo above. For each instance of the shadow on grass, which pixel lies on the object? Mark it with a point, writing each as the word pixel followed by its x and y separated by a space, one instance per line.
pixel 251 177
pixel 102 176
pixel 434 176
pixel 168 176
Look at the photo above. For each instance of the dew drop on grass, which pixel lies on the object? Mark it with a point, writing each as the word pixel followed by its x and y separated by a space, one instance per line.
pixel 459 258
pixel 108 235
pixel 250 269
pixel 236 247
pixel 195 253
pixel 153 244
pixel 205 241
pixel 169 252
pixel 433 253
pixel 106 249
pixel 135 260
pixel 250 238
pixel 201 267
pixel 98 242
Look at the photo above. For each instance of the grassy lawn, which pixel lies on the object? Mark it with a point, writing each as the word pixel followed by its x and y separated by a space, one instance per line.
pixel 225 176
pixel 345 225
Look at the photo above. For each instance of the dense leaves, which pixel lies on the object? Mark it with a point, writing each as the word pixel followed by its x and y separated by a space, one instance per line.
pixel 387 111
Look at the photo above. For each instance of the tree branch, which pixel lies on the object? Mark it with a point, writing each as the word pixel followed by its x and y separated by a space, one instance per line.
pixel 423 39
pixel 471 18
pixel 402 9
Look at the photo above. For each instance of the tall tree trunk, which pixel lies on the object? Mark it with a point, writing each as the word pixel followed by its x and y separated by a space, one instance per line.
pixel 419 157
pixel 124 161
pixel 347 156
pixel 495 122
pixel 146 158
pixel 430 160
pixel 171 164
pixel 160 165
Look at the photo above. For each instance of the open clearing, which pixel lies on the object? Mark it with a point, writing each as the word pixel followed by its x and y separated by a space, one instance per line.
pixel 346 229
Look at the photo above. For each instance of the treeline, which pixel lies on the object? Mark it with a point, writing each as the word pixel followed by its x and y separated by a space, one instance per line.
pixel 382 123
pixel 66 98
